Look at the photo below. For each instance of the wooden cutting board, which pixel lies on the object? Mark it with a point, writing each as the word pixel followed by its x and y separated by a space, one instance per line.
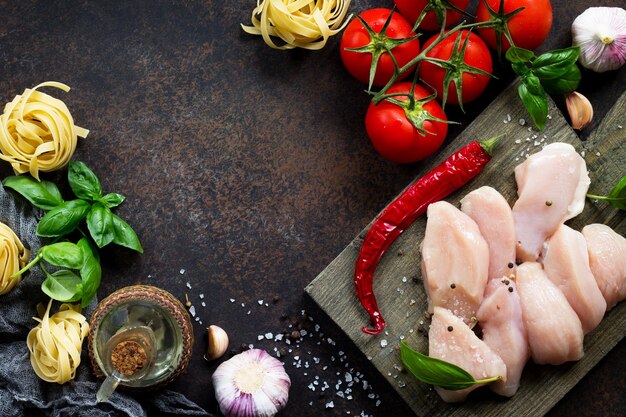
pixel 400 291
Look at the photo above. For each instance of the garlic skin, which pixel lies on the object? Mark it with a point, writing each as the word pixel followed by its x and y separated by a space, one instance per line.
pixel 580 110
pixel 251 384
pixel 601 34
pixel 218 342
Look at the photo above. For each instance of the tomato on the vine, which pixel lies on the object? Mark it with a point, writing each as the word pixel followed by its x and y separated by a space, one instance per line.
pixel 467 68
pixel 412 9
pixel 391 124
pixel 528 22
pixel 372 44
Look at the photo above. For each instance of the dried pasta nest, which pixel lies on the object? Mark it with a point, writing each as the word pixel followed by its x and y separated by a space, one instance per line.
pixel 154 295
pixel 13 257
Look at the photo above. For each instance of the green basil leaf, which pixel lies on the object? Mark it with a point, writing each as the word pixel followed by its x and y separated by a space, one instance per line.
pixel 519 55
pixel 520 68
pixel 435 371
pixel 90 272
pixel 83 181
pixel 565 83
pixel 125 235
pixel 100 224
pixel 536 104
pixel 617 196
pixel 65 254
pixel 533 84
pixel 44 194
pixel 553 64
pixel 64 286
pixel 63 219
pixel 112 200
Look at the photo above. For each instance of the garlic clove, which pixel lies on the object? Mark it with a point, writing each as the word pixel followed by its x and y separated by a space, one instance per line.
pixel 251 384
pixel 580 110
pixel 218 342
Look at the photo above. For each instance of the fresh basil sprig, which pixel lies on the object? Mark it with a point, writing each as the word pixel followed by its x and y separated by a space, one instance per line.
pixel 438 372
pixel 617 196
pixel 553 72
pixel 82 276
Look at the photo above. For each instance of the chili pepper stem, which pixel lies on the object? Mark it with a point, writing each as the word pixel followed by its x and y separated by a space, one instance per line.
pixel 489 144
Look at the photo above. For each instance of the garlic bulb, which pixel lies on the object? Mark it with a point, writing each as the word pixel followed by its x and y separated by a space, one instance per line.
pixel 251 384
pixel 601 34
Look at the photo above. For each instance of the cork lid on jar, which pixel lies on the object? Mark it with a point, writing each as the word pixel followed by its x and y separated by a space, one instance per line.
pixel 123 319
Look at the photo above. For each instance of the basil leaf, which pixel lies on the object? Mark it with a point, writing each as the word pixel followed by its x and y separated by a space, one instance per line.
pixel 520 68
pixel 90 272
pixel 100 224
pixel 112 200
pixel 519 55
pixel 533 84
pixel 565 83
pixel 65 254
pixel 536 104
pixel 618 194
pixel 44 194
pixel 125 235
pixel 63 219
pixel 553 64
pixel 64 286
pixel 83 181
pixel 435 371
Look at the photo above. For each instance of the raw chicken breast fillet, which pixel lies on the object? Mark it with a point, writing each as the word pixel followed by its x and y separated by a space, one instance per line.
pixel 494 218
pixel 451 340
pixel 455 261
pixel 554 331
pixel 566 263
pixel 551 185
pixel 500 318
pixel 607 259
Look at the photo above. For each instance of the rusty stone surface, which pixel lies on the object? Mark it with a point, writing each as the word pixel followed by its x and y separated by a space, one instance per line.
pixel 247 168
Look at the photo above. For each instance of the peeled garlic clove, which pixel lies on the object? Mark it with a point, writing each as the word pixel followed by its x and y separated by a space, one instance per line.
pixel 580 110
pixel 251 384
pixel 218 342
pixel 601 34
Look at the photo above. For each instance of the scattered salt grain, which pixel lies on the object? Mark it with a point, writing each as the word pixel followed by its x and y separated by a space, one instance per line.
pixel 508 117
pixel 188 285
pixel 203 304
pixel 404 279
pixel 269 336
pixel 518 141
pixel 383 343
pixel 192 311
pixel 182 271
pixel 521 122
pixel 232 300
pixel 201 296
pixel 260 302
pixel 330 404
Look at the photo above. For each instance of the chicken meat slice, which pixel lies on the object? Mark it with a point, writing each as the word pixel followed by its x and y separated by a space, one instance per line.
pixel 455 261
pixel 451 340
pixel 607 259
pixel 551 186
pixel 555 334
pixel 500 318
pixel 491 212
pixel 566 263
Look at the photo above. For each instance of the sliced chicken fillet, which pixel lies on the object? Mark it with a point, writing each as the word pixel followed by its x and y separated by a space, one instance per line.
pixel 455 261
pixel 494 218
pixel 554 331
pixel 451 340
pixel 500 318
pixel 566 263
pixel 551 187
pixel 607 259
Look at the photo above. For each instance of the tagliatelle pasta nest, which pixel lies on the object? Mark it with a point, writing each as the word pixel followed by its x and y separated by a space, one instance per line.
pixel 299 23
pixel 13 257
pixel 37 132
pixel 55 344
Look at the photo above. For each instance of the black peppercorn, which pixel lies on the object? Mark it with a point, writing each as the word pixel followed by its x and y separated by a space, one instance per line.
pixel 453 285
pixel 450 328
pixel 510 289
pixel 511 265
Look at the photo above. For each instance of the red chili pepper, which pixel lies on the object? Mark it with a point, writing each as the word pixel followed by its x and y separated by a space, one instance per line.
pixel 453 173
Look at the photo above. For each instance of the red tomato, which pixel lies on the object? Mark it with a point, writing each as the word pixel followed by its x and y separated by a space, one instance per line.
pixel 395 137
pixel 411 9
pixel 355 35
pixel 476 55
pixel 529 28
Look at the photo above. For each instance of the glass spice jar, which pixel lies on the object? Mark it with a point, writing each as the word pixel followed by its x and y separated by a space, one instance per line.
pixel 141 338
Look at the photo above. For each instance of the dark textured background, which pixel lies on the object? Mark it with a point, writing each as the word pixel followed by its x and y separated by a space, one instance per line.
pixel 247 168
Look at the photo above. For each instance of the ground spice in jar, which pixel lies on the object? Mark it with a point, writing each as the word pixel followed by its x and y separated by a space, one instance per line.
pixel 128 357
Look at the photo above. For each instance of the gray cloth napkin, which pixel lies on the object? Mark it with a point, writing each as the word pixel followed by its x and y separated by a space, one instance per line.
pixel 22 393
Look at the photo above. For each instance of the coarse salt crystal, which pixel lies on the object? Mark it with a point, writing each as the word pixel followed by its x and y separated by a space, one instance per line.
pixel 383 343
pixel 182 271
pixel 518 141
pixel 232 300
pixel 330 404
pixel 268 335
pixel 203 304
pixel 260 337
pixel 201 296
pixel 404 279
pixel 192 311
pixel 188 285
pixel 260 302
